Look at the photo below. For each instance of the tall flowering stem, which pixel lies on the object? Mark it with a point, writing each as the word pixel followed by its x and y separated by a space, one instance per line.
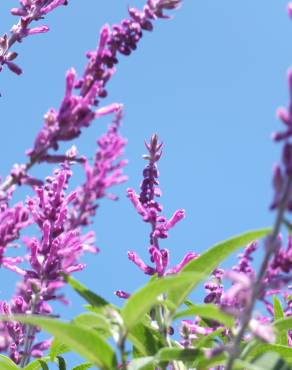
pixel 29 11
pixel 78 111
pixel 282 202
pixel 149 208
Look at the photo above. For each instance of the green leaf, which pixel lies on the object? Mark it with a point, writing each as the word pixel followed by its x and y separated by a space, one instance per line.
pixel 141 301
pixel 84 366
pixel 84 292
pixel 43 365
pixel 7 364
pixel 94 320
pixel 205 339
pixel 244 365
pixel 37 364
pixel 204 363
pixel 211 259
pixel 282 337
pixel 146 340
pixel 62 363
pixel 284 351
pixel 87 343
pixel 208 311
pixel 278 310
pixel 176 354
pixel 283 325
pixel 57 348
pixel 142 363
pixel 271 361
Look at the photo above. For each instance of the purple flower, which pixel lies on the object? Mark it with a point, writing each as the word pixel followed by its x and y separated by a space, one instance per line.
pixel 29 11
pixel 282 173
pixel 57 251
pixel 78 111
pixel 214 287
pixel 107 171
pixel 150 210
pixel 239 294
pixel 262 331
pixel 122 294
pixel 12 221
pixel 289 8
pixel 146 204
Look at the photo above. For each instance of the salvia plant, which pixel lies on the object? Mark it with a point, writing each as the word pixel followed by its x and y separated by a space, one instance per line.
pixel 222 332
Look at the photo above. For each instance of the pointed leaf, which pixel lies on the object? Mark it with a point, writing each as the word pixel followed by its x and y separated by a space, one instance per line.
pixel 7 364
pixel 271 361
pixel 84 292
pixel 84 366
pixel 92 320
pixel 44 365
pixel 85 342
pixel 177 354
pixel 284 351
pixel 278 310
pixel 142 363
pixel 211 259
pixel 208 311
pixel 146 340
pixel 37 364
pixel 204 363
pixel 57 348
pixel 62 363
pixel 282 337
pixel 244 365
pixel 141 301
pixel 283 325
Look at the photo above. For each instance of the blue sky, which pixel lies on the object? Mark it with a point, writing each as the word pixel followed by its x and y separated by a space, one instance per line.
pixel 208 82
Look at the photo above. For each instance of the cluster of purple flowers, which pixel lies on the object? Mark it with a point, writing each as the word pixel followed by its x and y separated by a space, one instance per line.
pixel 12 221
pixel 76 111
pixel 106 171
pixel 58 250
pixel 29 11
pixel 150 210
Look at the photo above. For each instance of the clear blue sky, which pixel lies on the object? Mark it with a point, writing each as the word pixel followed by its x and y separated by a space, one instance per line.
pixel 208 82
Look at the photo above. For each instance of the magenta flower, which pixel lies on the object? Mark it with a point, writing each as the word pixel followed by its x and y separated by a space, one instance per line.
pixel 262 331
pixel 289 8
pixel 57 251
pixel 282 173
pixel 12 221
pixel 107 171
pixel 78 111
pixel 150 210
pixel 29 11
pixel 214 287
